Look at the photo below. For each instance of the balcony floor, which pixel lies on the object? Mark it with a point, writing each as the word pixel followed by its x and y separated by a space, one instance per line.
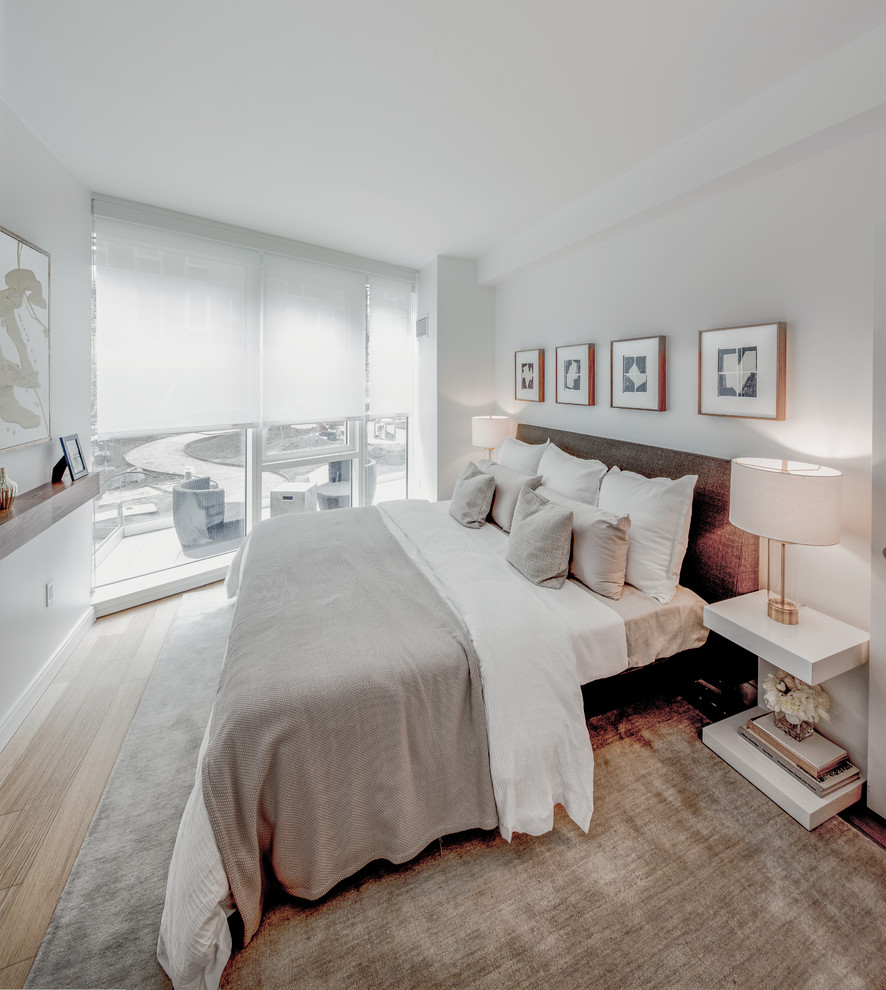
pixel 157 551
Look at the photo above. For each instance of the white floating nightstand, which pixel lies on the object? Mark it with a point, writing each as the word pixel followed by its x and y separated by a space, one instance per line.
pixel 817 648
pixel 775 782
pixel 814 650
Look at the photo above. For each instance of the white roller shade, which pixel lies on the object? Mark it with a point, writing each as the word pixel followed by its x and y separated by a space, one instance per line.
pixel 391 321
pixel 202 326
pixel 176 339
pixel 314 348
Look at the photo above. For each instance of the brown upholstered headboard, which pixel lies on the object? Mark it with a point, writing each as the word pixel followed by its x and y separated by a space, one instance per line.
pixel 721 561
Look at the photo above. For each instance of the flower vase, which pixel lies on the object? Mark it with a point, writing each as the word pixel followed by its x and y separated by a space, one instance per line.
pixel 799 731
pixel 8 490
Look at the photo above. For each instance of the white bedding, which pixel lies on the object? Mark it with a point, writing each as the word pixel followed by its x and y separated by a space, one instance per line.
pixel 531 642
pixel 536 646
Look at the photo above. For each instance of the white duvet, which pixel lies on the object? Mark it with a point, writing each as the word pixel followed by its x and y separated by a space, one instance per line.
pixel 536 647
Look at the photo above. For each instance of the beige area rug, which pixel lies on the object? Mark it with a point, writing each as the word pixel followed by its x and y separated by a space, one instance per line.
pixel 688 878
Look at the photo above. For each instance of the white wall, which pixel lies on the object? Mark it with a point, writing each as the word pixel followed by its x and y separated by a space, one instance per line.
pixel 455 377
pixel 794 245
pixel 43 203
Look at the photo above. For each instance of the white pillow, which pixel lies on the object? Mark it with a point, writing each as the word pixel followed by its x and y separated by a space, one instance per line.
pixel 599 544
pixel 507 490
pixel 520 456
pixel 660 511
pixel 575 477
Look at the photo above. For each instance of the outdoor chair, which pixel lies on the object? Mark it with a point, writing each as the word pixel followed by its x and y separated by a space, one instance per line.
pixel 204 523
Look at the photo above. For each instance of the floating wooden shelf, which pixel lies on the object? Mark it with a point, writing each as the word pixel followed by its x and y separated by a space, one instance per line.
pixel 35 511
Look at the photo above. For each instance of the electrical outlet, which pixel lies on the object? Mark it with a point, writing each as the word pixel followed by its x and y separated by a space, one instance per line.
pixel 50 593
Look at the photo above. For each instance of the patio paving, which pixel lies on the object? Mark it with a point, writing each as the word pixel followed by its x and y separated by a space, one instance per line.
pixel 168 456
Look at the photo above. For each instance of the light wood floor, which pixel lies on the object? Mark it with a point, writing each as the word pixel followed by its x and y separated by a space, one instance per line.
pixel 54 769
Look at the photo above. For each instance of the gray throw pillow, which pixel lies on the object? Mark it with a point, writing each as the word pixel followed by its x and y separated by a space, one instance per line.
pixel 472 497
pixel 540 540
pixel 507 490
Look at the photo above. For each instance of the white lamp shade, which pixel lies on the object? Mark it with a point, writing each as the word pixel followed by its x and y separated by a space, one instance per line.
pixel 489 431
pixel 786 500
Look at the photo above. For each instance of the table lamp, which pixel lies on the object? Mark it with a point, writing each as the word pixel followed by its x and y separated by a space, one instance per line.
pixel 787 502
pixel 489 431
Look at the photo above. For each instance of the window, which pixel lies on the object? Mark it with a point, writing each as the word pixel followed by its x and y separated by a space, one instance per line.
pixel 316 465
pixel 144 523
pixel 234 382
pixel 298 458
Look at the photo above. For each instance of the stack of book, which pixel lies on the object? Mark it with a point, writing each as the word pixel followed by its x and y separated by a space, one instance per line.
pixel 820 764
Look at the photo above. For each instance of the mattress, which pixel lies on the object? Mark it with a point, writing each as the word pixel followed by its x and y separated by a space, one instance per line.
pixel 652 630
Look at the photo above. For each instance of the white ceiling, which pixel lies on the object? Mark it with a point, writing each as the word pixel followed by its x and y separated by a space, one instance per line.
pixel 396 129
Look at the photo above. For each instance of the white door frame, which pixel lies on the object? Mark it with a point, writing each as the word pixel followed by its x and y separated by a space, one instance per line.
pixel 877 674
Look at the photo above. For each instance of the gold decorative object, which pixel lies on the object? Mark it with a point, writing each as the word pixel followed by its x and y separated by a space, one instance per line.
pixel 8 490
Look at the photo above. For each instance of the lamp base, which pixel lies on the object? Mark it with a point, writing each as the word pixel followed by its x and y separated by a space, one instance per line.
pixel 782 610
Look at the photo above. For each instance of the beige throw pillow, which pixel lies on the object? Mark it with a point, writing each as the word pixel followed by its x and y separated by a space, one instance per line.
pixel 507 490
pixel 599 544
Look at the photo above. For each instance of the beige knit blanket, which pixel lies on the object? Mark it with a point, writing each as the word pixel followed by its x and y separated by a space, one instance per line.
pixel 349 723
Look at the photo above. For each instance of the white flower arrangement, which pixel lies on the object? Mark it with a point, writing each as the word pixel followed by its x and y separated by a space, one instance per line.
pixel 795 699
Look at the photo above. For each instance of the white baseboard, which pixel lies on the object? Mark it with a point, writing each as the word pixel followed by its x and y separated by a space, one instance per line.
pixel 139 591
pixel 42 681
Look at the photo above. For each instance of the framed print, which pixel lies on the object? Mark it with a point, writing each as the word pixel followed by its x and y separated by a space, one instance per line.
pixel 741 371
pixel 73 459
pixel 24 342
pixel 529 375
pixel 637 378
pixel 575 374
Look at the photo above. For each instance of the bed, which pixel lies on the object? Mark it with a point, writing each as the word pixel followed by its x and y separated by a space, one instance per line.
pixel 721 562
pixel 412 683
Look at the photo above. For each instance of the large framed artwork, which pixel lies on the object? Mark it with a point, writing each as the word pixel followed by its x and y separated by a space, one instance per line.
pixel 24 342
pixel 575 374
pixel 638 379
pixel 741 371
pixel 529 375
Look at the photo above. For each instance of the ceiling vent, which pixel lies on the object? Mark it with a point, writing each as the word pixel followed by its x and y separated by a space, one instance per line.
pixel 421 327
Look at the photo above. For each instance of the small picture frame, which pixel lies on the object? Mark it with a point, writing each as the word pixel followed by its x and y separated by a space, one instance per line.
pixel 575 374
pixel 638 374
pixel 741 371
pixel 73 459
pixel 529 375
